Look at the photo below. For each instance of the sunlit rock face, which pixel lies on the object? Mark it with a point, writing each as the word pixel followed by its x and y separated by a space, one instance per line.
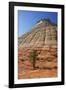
pixel 43 34
pixel 43 39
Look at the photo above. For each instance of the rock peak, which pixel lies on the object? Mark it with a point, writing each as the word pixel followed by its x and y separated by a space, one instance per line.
pixel 46 21
pixel 43 34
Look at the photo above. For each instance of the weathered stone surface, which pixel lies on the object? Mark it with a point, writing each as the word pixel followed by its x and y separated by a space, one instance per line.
pixel 43 39
pixel 43 34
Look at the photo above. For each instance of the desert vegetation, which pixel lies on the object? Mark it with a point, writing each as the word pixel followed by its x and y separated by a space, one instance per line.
pixel 33 58
pixel 38 63
pixel 37 53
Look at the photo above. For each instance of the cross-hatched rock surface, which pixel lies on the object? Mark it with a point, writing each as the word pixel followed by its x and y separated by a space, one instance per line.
pixel 44 33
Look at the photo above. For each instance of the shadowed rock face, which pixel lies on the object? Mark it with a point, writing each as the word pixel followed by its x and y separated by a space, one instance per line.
pixel 44 33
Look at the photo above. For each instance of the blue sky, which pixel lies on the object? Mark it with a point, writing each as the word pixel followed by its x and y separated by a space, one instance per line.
pixel 27 19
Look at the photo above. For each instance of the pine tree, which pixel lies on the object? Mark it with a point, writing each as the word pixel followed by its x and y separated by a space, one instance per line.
pixel 33 58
